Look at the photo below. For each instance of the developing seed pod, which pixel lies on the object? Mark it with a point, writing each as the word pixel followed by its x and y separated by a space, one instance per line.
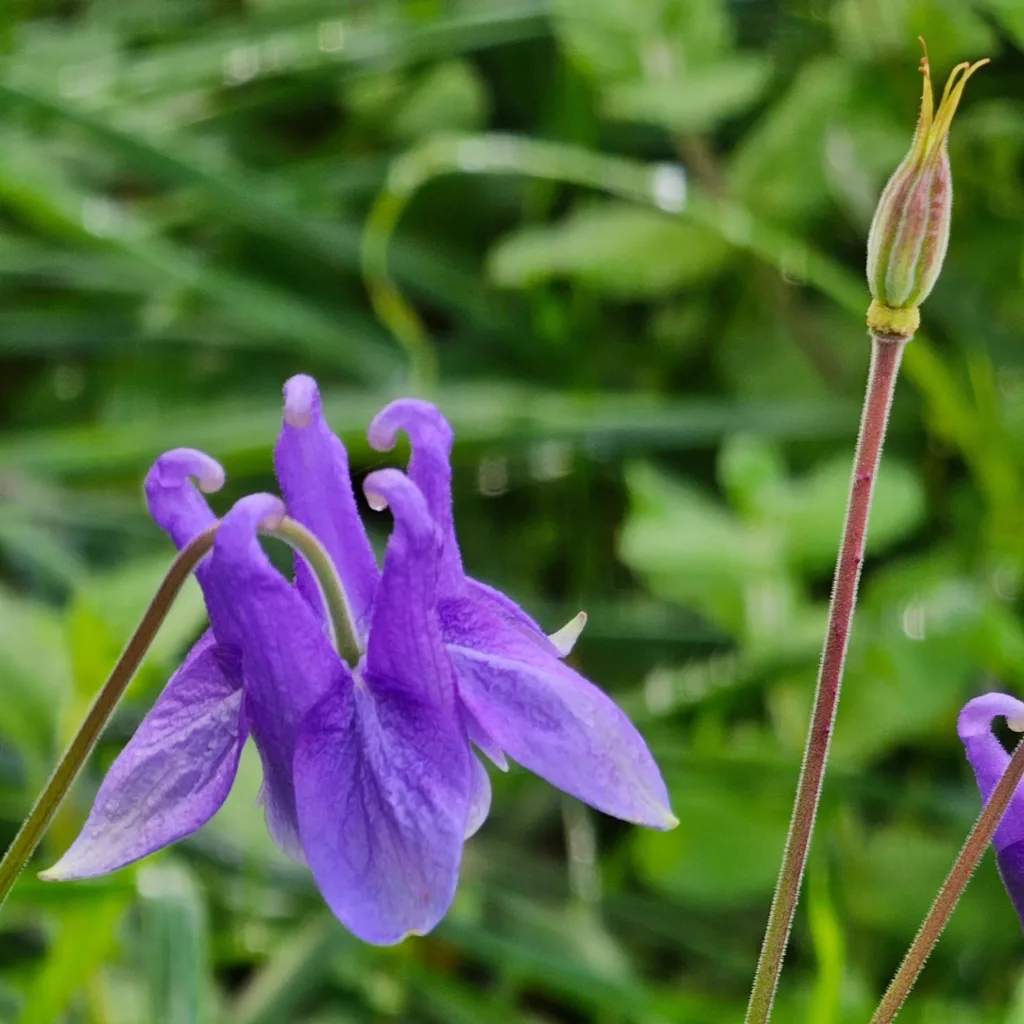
pixel 910 229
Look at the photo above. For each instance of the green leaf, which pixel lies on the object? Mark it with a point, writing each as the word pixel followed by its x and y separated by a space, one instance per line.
pixel 175 950
pixel 781 169
pixel 811 510
pixel 881 894
pixel 620 250
pixel 451 97
pixel 724 852
pixel 694 101
pixel 86 940
pixel 35 676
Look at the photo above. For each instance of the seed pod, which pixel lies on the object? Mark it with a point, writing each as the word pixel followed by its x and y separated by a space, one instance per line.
pixel 910 229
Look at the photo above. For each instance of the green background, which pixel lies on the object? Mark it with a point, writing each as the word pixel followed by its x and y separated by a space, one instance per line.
pixel 626 243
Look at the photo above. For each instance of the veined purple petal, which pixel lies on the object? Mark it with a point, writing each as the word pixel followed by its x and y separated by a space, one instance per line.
pixel 502 607
pixel 287 660
pixel 989 760
pixel 382 783
pixel 175 772
pixel 480 739
pixel 405 650
pixel 554 722
pixel 312 468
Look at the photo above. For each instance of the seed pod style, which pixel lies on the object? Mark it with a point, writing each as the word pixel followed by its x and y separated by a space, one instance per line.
pixel 910 229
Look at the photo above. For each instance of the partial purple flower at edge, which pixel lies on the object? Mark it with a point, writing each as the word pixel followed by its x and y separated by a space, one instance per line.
pixel 989 760
pixel 517 696
pixel 366 772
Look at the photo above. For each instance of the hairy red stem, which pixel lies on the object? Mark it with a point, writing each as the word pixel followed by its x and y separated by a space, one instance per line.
pixel 952 889
pixel 886 354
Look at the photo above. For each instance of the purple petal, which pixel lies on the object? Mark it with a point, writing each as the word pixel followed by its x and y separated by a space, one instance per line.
pixel 178 508
pixel 989 759
pixel 502 607
pixel 429 469
pixel 405 650
pixel 480 739
pixel 175 772
pixel 181 511
pixel 1011 869
pixel 553 721
pixel 382 785
pixel 287 660
pixel 479 797
pixel 312 468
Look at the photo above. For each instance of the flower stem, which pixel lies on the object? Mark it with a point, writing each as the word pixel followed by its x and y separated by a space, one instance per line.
pixel 27 839
pixel 886 353
pixel 339 614
pixel 952 889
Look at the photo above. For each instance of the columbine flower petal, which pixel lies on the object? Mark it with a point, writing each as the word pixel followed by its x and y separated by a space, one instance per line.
pixel 181 511
pixel 382 772
pixel 479 797
pixel 519 696
pixel 312 468
pixel 175 772
pixel 287 660
pixel 430 470
pixel 989 760
pixel 558 725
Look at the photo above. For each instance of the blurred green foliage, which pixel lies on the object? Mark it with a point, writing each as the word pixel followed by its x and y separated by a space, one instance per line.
pixel 632 232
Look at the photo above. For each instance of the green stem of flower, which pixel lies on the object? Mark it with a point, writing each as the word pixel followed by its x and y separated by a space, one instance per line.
pixel 39 818
pixel 886 354
pixel 339 613
pixel 952 889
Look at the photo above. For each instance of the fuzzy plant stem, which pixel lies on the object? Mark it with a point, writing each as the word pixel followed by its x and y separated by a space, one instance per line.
pixel 343 633
pixel 952 889
pixel 886 353
pixel 27 839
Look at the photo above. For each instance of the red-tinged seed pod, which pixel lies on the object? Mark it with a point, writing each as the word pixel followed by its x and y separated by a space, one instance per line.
pixel 910 229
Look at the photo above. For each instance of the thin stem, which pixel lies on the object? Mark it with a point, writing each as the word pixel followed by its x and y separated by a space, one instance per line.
pixel 391 308
pixel 27 839
pixel 886 354
pixel 952 889
pixel 339 614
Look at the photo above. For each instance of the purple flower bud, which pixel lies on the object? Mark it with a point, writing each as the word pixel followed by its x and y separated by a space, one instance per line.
pixel 910 230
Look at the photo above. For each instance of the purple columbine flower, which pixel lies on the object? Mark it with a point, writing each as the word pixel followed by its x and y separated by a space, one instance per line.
pixel 367 770
pixel 516 694
pixel 989 759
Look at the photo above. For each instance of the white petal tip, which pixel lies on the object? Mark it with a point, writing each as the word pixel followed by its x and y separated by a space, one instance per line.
pixel 211 479
pixel 174 467
pixel 1015 724
pixel 382 435
pixel 272 521
pixel 376 501
pixel 300 396
pixel 564 639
